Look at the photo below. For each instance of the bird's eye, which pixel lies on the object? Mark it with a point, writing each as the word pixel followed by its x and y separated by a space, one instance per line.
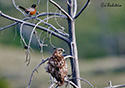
pixel 60 50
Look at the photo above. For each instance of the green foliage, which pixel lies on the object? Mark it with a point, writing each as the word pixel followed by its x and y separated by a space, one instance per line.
pixel 3 83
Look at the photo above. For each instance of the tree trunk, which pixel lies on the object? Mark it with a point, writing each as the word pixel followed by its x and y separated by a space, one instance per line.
pixel 73 47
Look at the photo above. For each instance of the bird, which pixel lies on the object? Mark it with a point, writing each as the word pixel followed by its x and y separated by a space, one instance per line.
pixel 57 66
pixel 30 11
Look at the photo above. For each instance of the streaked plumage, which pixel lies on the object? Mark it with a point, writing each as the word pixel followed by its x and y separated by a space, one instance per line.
pixel 57 66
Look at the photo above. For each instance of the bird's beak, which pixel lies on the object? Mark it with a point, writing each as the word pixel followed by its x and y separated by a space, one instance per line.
pixel 63 51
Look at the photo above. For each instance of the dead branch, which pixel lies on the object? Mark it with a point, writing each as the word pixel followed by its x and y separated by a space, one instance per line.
pixel 42 62
pixel 75 7
pixel 51 86
pixel 83 8
pixel 115 86
pixel 82 80
pixel 33 25
pixel 34 17
pixel 61 9
pixel 74 85
pixel 67 56
pixel 50 25
pixel 17 7
pixel 8 26
pixel 21 34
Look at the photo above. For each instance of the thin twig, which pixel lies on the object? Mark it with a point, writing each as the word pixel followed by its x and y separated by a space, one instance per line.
pixel 43 61
pixel 82 9
pixel 21 34
pixel 41 44
pixel 75 7
pixel 50 25
pixel 41 14
pixel 86 82
pixel 47 7
pixel 64 34
pixel 83 80
pixel 51 13
pixel 28 57
pixel 71 83
pixel 61 9
pixel 39 27
pixel 116 86
pixel 58 23
pixel 50 41
pixel 17 7
pixel 32 34
pixel 51 86
pixel 8 26
pixel 110 83
pixel 68 56
pixel 57 86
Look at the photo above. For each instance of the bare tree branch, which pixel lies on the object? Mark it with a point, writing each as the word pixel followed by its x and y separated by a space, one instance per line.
pixel 61 9
pixel 31 24
pixel 64 34
pixel 86 81
pixel 34 17
pixel 50 25
pixel 82 80
pixel 47 8
pixel 116 86
pixel 21 34
pixel 8 26
pixel 67 56
pixel 50 13
pixel 75 7
pixel 51 86
pixel 28 57
pixel 71 83
pixel 17 7
pixel 50 41
pixel 56 30
pixel 82 9
pixel 43 61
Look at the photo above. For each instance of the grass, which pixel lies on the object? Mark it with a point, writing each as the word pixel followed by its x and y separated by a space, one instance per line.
pixel 98 71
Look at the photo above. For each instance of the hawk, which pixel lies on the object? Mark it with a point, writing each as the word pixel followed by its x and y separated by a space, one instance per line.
pixel 57 66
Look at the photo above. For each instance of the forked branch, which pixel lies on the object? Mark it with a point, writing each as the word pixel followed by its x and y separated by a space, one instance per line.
pixel 42 14
pixel 115 86
pixel 82 9
pixel 43 61
pixel 33 25
pixel 61 9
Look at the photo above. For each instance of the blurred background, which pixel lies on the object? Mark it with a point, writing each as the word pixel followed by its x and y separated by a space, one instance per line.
pixel 100 35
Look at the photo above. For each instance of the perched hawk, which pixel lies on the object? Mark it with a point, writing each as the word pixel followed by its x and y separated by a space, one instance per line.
pixel 57 66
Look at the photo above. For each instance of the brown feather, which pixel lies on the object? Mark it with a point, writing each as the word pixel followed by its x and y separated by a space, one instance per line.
pixel 57 66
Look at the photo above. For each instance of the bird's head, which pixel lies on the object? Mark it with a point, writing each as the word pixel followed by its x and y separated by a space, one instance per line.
pixel 59 50
pixel 34 6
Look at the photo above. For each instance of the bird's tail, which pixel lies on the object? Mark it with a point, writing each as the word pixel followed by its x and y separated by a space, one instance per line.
pixel 22 8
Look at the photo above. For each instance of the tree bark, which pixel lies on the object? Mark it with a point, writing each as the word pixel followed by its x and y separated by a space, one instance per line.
pixel 73 46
